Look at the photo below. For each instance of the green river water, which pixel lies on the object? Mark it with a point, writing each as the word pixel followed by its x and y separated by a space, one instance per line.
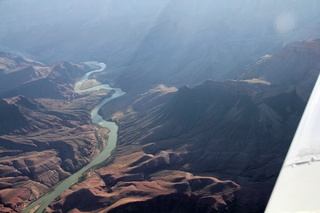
pixel 45 200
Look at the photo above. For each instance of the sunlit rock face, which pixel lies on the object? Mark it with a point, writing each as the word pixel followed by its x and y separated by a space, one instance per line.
pixel 233 135
pixel 166 191
pixel 45 131
pixel 297 63
pixel 172 142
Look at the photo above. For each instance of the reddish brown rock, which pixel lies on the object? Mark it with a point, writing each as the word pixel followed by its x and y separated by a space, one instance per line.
pixel 43 140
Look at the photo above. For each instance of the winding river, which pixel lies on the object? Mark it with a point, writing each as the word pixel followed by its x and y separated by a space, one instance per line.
pixel 39 205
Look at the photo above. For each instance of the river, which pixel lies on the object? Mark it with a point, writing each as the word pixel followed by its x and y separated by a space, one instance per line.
pixel 39 205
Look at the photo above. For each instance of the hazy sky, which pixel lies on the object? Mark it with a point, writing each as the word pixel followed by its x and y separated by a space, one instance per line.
pixel 116 27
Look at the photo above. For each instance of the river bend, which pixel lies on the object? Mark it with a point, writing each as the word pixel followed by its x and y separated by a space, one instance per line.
pixel 45 200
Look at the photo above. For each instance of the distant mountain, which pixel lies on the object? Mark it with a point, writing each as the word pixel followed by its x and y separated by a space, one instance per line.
pixel 16 70
pixel 297 63
pixel 57 84
pixel 10 62
pixel 188 41
pixel 22 76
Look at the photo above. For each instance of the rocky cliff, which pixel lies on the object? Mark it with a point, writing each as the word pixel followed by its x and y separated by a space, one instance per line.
pixel 42 140
pixel 297 63
pixel 173 142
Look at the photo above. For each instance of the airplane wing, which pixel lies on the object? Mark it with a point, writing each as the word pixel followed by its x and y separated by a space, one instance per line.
pixel 298 186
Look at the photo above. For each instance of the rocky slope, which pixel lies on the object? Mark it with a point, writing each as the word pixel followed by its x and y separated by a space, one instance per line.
pixel 174 144
pixel 10 117
pixel 16 70
pixel 232 135
pixel 227 130
pixel 297 63
pixel 57 84
pixel 42 140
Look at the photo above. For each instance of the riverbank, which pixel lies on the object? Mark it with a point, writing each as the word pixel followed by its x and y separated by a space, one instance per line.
pixel 96 119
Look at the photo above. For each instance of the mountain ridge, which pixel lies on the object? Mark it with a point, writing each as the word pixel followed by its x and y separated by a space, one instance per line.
pixel 44 136
pixel 235 130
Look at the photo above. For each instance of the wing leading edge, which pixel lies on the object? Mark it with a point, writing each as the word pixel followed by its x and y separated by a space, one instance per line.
pixel 298 186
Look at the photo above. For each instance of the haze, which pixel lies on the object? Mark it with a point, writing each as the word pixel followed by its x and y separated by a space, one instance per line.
pixel 195 102
pixel 118 30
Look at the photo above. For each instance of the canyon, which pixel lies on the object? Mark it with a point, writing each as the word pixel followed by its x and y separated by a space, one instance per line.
pixel 216 147
pixel 46 136
pixel 214 93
